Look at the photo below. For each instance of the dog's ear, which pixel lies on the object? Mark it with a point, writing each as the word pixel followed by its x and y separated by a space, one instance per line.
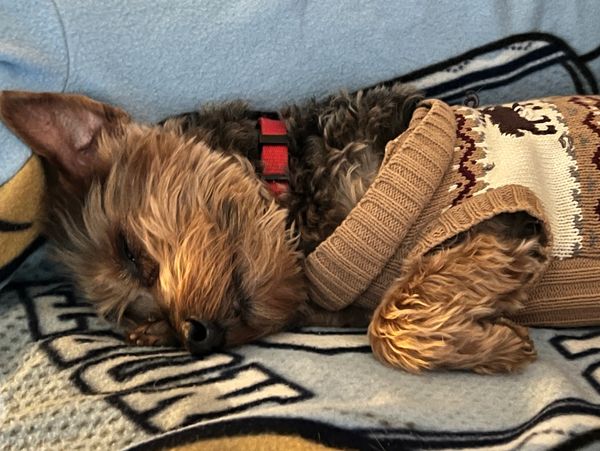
pixel 62 128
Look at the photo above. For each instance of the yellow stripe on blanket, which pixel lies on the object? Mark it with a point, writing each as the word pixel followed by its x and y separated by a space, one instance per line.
pixel 262 442
pixel 20 210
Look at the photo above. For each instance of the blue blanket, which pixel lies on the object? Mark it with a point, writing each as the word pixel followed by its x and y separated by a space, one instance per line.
pixel 163 57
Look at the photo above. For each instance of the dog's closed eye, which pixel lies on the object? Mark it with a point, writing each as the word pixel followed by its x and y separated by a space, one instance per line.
pixel 137 261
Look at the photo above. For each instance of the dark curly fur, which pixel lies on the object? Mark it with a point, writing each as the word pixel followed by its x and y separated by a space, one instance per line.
pixel 336 147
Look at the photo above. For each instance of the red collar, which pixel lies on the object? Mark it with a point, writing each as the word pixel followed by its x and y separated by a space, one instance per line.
pixel 274 156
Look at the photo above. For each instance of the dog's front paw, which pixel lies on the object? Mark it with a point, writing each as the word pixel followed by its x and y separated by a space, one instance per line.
pixel 415 332
pixel 506 347
pixel 152 333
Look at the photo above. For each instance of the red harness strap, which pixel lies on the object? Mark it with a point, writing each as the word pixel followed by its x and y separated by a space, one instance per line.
pixel 274 154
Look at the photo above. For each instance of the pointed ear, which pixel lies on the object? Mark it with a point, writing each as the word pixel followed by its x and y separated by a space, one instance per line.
pixel 63 128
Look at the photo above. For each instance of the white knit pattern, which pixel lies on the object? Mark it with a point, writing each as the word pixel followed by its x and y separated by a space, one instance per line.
pixel 543 163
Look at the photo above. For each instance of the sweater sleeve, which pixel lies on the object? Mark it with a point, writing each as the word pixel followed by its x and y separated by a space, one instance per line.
pixel 343 266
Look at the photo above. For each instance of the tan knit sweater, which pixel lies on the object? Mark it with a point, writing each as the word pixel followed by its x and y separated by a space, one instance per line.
pixel 455 167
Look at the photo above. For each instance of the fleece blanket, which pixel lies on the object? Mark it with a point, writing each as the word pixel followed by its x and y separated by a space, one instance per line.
pixel 167 56
pixel 67 381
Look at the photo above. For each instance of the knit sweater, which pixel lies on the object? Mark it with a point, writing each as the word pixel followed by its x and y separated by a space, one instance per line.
pixel 457 166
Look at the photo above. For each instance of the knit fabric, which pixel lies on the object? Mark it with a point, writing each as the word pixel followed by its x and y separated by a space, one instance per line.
pixel 456 167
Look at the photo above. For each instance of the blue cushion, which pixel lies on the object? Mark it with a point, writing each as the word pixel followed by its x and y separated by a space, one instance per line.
pixel 162 57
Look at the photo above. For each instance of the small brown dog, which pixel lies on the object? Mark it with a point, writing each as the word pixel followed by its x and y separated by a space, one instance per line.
pixel 170 231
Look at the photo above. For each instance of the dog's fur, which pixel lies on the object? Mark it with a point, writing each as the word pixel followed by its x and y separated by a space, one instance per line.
pixel 170 232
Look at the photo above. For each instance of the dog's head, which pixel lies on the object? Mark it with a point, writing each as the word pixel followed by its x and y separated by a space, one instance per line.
pixel 154 225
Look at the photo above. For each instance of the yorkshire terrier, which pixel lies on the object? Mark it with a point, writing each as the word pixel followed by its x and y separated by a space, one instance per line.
pixel 175 232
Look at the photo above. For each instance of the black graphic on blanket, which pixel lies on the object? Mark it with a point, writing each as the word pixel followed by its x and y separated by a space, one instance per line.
pixel 517 67
pixel 574 347
pixel 159 389
pixel 319 341
pixel 162 390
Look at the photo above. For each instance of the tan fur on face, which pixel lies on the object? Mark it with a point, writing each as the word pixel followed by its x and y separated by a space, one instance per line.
pixel 219 240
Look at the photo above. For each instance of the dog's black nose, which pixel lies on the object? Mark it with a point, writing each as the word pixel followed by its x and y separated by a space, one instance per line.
pixel 201 337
